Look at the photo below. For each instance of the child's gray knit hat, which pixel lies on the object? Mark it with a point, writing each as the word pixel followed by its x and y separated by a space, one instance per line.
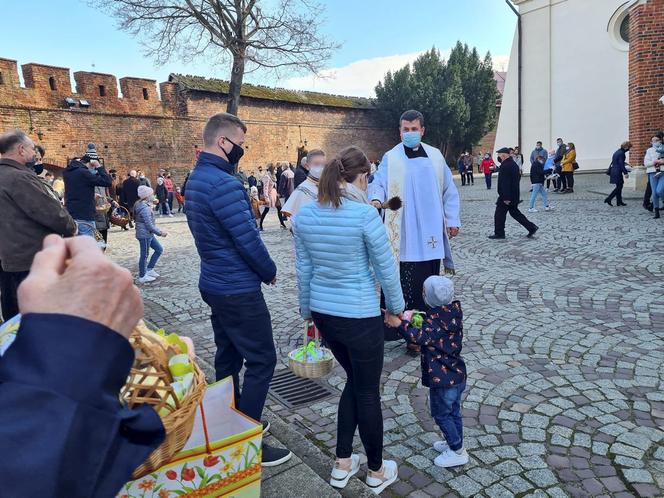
pixel 438 291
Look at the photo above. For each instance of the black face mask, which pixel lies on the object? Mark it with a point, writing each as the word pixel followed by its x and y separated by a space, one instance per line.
pixel 235 154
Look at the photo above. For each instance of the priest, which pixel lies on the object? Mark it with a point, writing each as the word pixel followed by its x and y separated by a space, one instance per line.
pixel 419 232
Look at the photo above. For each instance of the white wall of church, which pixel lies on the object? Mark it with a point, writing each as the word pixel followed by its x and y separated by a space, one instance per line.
pixel 575 80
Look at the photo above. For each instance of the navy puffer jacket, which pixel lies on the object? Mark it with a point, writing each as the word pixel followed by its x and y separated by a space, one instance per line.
pixel 234 259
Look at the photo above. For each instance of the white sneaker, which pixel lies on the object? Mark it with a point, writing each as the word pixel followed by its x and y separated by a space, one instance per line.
pixel 170 215
pixel 147 278
pixel 390 474
pixel 451 458
pixel 339 478
pixel 548 208
pixel 153 274
pixel 441 446
pixel 533 210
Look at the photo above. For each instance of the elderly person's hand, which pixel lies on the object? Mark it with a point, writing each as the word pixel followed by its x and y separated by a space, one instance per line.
pixel 73 277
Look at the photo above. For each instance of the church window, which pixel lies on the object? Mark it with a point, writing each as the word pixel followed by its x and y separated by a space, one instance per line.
pixel 624 29
pixel 51 83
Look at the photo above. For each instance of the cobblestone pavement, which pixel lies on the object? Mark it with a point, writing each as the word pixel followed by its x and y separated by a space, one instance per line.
pixel 564 345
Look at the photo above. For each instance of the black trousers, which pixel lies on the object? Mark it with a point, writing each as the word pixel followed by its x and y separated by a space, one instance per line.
pixel 647 197
pixel 487 179
pixel 562 185
pixel 9 282
pixel 357 344
pixel 469 176
pixel 501 215
pixel 463 177
pixel 568 179
pixel 617 193
pixel 267 210
pixel 243 335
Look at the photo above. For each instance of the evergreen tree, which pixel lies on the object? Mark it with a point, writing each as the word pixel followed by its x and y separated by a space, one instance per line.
pixel 457 97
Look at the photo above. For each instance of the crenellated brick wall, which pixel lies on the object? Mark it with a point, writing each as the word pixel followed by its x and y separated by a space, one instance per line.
pixel 140 130
pixel 646 74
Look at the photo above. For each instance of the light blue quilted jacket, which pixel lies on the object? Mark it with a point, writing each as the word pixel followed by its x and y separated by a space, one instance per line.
pixel 340 253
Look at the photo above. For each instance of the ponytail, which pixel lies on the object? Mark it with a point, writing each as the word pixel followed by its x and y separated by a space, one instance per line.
pixel 345 167
pixel 329 188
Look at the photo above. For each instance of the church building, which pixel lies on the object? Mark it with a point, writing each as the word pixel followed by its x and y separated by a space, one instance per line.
pixel 589 71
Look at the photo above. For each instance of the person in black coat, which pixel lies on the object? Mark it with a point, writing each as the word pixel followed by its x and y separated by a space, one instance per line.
pixel 130 193
pixel 61 419
pixel 509 195
pixel 81 177
pixel 618 172
pixel 301 173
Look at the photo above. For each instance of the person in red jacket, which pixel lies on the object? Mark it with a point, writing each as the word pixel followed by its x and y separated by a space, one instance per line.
pixel 487 168
pixel 170 189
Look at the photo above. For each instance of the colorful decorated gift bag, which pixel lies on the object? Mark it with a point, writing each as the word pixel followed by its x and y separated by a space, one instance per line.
pixel 222 458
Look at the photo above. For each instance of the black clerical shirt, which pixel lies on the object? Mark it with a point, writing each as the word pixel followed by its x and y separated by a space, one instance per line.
pixel 412 153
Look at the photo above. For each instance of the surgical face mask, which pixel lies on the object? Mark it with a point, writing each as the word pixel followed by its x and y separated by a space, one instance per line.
pixel 316 170
pixel 411 139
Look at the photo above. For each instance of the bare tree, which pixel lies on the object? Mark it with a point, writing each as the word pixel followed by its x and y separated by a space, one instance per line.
pixel 286 35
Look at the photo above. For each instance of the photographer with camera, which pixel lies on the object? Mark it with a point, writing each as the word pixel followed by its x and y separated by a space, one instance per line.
pixel 81 177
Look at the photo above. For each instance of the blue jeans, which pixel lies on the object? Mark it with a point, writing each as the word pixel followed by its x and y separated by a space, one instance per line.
pixel 165 208
pixel 538 189
pixel 86 227
pixel 243 335
pixel 487 179
pixel 446 411
pixel 657 186
pixel 146 245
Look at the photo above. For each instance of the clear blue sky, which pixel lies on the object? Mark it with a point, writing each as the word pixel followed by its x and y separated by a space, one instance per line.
pixel 69 33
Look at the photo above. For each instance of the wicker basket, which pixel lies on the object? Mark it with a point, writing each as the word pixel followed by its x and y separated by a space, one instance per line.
pixel 120 217
pixel 310 369
pixel 149 382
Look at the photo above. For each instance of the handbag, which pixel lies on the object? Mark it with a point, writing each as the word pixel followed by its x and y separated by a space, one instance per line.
pixel 575 165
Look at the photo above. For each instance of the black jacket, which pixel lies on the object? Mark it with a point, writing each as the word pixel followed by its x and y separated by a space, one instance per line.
pixel 301 174
pixel 130 191
pixel 80 185
pixel 162 193
pixel 560 153
pixel 537 172
pixel 508 181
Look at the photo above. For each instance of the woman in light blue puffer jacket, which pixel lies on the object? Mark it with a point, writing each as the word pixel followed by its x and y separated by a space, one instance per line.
pixel 341 250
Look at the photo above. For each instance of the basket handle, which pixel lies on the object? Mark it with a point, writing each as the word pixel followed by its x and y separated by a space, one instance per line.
pixel 307 325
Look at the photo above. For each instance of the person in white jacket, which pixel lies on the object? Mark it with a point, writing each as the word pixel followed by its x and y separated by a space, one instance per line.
pixel 654 163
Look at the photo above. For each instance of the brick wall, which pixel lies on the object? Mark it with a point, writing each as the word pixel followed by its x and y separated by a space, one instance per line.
pixel 138 130
pixel 646 75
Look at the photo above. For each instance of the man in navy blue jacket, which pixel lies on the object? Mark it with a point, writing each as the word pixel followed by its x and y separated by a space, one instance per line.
pixel 234 264
pixel 63 430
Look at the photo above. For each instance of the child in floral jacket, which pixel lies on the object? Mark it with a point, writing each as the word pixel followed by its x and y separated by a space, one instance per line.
pixel 440 335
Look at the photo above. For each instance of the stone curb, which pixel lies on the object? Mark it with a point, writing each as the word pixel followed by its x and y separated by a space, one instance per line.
pixel 313 457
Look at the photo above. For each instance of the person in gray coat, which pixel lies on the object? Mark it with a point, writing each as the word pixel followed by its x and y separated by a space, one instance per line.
pixel 146 229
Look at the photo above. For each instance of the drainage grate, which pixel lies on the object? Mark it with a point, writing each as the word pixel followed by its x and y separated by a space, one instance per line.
pixel 293 391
